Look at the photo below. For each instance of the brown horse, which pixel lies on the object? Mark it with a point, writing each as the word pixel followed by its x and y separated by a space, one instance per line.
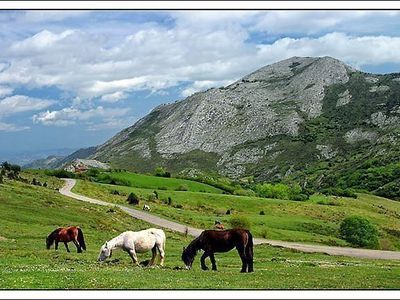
pixel 211 241
pixel 65 235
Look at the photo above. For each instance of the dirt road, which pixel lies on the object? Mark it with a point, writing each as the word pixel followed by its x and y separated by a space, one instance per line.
pixel 147 217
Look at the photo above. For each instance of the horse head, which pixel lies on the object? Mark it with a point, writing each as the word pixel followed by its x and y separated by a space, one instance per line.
pixel 188 257
pixel 105 252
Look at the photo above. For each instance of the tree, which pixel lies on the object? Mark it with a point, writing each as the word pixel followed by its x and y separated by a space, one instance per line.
pixel 133 199
pixel 359 232
pixel 6 166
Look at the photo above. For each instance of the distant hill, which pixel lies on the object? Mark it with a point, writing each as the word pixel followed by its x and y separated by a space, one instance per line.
pixel 56 162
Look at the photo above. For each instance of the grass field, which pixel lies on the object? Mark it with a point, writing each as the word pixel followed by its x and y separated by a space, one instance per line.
pixel 28 213
pixel 314 221
pixel 155 182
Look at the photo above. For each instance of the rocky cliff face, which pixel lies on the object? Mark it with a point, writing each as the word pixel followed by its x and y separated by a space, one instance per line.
pixel 281 118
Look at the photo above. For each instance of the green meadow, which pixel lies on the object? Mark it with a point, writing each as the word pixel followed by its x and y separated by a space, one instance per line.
pixel 316 220
pixel 29 213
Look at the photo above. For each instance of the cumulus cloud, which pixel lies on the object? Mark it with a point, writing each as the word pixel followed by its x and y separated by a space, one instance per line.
pixel 6 127
pixel 5 91
pixel 198 49
pixel 69 115
pixel 114 97
pixel 203 85
pixel 20 103
pixel 355 50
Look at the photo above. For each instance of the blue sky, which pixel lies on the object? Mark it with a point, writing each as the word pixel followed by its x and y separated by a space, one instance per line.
pixel 71 79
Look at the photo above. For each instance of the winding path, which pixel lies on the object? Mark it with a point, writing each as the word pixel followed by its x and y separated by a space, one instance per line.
pixel 147 217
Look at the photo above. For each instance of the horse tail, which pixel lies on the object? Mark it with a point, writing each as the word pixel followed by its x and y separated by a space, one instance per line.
pixel 81 239
pixel 249 251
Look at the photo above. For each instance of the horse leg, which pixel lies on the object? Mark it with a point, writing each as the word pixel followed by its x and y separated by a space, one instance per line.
pixel 56 245
pixel 66 246
pixel 203 261
pixel 162 254
pixel 78 247
pixel 133 255
pixel 242 255
pixel 154 254
pixel 214 265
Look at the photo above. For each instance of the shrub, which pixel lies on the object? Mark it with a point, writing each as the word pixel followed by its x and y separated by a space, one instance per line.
pixel 262 213
pixel 160 171
pixel 133 199
pixel 240 222
pixel 151 197
pixel 60 173
pixel 182 187
pixel 114 192
pixel 339 192
pixel 359 231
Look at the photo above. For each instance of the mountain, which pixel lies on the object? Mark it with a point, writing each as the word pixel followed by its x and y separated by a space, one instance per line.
pixel 281 118
pixel 310 120
pixel 57 162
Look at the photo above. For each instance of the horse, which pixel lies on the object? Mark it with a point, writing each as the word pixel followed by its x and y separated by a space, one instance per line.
pixel 211 241
pixel 146 207
pixel 66 235
pixel 218 225
pixel 136 242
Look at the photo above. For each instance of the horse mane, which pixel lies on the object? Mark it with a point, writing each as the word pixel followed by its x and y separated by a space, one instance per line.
pixel 194 246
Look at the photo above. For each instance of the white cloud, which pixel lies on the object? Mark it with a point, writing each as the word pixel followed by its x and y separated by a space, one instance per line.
pixel 20 103
pixel 68 116
pixel 114 97
pixel 6 127
pixel 198 47
pixel 358 51
pixel 203 85
pixel 5 91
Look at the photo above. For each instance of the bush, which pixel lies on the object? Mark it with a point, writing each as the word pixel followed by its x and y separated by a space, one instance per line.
pixel 240 222
pixel 133 199
pixel 60 173
pixel 262 213
pixel 339 192
pixel 359 231
pixel 182 187
pixel 160 171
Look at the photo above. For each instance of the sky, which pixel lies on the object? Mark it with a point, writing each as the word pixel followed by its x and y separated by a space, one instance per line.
pixel 72 79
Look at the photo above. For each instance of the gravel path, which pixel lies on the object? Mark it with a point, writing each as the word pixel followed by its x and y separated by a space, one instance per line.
pixel 147 217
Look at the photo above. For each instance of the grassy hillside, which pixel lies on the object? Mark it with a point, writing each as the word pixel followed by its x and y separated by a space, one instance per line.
pixel 155 182
pixel 29 213
pixel 314 221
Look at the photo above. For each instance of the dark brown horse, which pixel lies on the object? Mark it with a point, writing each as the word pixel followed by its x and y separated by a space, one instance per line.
pixel 65 235
pixel 211 241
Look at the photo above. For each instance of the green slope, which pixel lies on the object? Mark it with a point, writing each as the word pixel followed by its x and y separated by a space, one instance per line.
pixel 28 213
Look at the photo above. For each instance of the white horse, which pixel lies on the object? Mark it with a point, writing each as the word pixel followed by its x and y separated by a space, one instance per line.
pixel 136 242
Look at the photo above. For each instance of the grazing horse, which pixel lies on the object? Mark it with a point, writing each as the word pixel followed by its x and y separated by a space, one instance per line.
pixel 211 241
pixel 146 207
pixel 136 242
pixel 65 235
